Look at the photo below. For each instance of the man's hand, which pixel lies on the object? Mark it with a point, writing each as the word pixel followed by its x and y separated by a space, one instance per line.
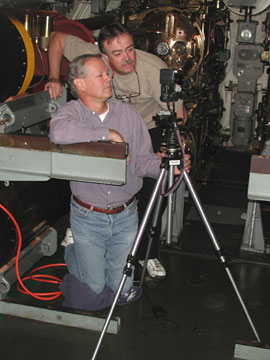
pixel 161 154
pixel 187 166
pixel 116 137
pixel 54 87
pixel 187 163
pixel 55 53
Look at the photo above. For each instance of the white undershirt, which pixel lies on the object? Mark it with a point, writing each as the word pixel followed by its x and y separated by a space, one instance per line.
pixel 102 116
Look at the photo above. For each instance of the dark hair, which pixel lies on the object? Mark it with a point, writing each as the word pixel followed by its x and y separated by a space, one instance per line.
pixel 77 69
pixel 109 32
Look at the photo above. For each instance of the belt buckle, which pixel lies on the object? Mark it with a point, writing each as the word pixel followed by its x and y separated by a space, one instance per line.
pixel 108 208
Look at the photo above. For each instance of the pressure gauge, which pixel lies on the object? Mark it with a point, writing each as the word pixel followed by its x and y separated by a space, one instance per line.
pixel 163 48
pixel 180 48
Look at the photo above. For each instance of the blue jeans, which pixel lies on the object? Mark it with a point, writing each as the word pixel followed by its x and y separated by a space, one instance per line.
pixel 101 245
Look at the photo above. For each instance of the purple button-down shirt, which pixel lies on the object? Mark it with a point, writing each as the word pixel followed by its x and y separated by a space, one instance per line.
pixel 74 122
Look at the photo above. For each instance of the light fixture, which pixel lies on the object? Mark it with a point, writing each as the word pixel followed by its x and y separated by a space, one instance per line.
pixel 246 34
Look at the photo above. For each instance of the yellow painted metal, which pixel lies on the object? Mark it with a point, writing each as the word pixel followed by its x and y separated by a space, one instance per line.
pixel 30 54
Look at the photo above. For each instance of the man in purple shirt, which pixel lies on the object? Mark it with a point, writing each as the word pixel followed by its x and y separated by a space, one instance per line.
pixel 135 79
pixel 103 217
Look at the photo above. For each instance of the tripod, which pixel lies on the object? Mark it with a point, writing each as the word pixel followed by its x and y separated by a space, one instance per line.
pixel 167 165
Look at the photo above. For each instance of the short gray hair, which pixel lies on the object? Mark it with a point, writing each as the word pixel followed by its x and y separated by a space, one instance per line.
pixel 77 70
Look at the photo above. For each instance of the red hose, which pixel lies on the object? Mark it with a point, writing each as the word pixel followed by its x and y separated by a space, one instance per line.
pixel 37 277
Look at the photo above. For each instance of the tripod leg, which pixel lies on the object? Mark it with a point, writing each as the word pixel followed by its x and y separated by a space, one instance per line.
pixel 218 249
pixel 170 208
pixel 152 233
pixel 128 267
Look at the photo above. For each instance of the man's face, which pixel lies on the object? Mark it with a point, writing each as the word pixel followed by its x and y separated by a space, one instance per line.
pixel 97 84
pixel 120 53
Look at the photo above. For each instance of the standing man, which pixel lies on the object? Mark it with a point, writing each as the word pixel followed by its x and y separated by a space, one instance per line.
pixel 135 80
pixel 103 217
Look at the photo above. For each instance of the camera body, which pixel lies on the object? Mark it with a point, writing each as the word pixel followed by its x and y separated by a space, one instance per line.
pixel 170 92
pixel 170 85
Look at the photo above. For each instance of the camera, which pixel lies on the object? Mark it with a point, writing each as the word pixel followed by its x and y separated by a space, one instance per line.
pixel 170 92
pixel 170 85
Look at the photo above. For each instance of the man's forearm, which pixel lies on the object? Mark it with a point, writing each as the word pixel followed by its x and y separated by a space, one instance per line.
pixel 55 54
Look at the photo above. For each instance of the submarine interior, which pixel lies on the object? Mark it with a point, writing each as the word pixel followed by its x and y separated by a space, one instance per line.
pixel 215 239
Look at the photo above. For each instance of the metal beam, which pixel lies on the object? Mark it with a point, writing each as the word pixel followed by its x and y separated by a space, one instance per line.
pixel 77 319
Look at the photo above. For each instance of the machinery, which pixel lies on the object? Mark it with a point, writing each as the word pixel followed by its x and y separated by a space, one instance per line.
pixel 220 50
pixel 191 40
